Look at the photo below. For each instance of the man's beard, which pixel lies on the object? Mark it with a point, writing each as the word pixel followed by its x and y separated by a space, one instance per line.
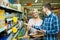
pixel 44 14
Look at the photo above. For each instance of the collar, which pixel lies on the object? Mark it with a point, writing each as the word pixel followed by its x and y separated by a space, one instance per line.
pixel 48 15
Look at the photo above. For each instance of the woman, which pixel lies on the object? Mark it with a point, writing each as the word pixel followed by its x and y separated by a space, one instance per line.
pixel 34 23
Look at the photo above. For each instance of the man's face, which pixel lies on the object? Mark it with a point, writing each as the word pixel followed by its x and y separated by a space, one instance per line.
pixel 44 9
pixel 59 11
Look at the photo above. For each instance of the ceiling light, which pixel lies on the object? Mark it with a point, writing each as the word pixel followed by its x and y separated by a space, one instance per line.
pixel 36 1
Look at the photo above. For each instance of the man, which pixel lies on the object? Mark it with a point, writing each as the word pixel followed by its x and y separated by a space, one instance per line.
pixel 59 22
pixel 50 24
pixel 59 16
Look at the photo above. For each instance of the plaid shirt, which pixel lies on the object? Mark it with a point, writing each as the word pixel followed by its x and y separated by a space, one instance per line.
pixel 50 24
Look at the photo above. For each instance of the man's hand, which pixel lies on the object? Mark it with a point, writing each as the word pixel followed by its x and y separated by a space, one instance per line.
pixel 40 31
pixel 44 30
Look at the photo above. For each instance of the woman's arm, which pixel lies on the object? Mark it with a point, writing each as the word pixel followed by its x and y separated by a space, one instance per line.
pixel 29 24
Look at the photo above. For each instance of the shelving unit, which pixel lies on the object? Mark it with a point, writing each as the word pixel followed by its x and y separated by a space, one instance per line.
pixel 10 19
pixel 8 9
pixel 16 34
pixel 10 36
pixel 9 31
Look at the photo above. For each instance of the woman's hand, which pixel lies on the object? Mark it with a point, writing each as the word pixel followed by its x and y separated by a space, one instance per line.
pixel 25 36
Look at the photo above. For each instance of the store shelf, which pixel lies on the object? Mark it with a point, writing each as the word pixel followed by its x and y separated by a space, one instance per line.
pixel 16 25
pixel 12 26
pixel 2 29
pixel 9 13
pixel 9 31
pixel 10 37
pixel 10 19
pixel 16 34
pixel 8 9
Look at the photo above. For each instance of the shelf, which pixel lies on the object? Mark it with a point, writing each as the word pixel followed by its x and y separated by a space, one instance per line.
pixel 12 26
pixel 2 29
pixel 16 25
pixel 11 34
pixel 16 34
pixel 10 19
pixel 10 37
pixel 8 9
pixel 9 31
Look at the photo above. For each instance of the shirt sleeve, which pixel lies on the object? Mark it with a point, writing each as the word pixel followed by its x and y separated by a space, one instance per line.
pixel 29 24
pixel 55 26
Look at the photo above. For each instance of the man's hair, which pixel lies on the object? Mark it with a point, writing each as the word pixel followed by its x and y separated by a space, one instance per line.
pixel 47 5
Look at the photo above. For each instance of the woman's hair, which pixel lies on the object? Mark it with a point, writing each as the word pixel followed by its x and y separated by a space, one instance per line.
pixel 35 10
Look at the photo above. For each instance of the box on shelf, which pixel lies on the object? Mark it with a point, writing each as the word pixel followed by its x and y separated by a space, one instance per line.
pixel 1 2
pixel 2 18
pixel 6 2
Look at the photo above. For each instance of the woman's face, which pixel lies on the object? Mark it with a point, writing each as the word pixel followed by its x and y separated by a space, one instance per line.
pixel 35 14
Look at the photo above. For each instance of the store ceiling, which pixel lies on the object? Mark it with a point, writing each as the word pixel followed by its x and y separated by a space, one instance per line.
pixel 39 3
